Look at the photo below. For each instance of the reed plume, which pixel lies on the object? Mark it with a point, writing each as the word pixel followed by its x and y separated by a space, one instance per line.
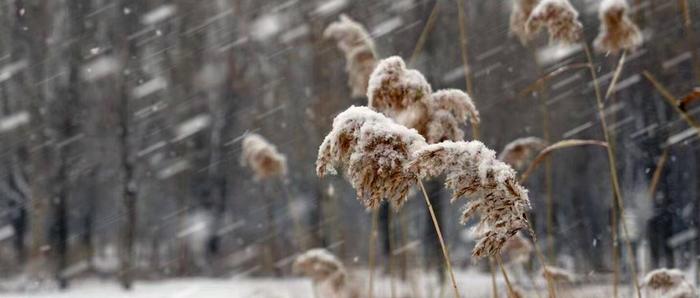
pixel 519 151
pixel 472 170
pixel 374 151
pixel 557 274
pixel 518 17
pixel 324 268
pixel 405 96
pixel 447 110
pixel 518 248
pixel 668 283
pixel 617 31
pixel 357 45
pixel 262 157
pixel 560 18
pixel 399 93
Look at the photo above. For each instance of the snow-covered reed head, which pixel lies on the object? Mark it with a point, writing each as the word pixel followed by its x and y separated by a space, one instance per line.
pixel 617 31
pixel 557 274
pixel 496 196
pixel 668 283
pixel 322 267
pixel 560 18
pixel 518 17
pixel 374 151
pixel 352 38
pixel 393 88
pixel 447 110
pixel 262 157
pixel 517 152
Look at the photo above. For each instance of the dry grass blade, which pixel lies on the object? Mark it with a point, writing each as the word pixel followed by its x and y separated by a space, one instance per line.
pixel 616 75
pixel 424 34
pixel 536 85
pixel 556 146
pixel 672 101
pixel 657 173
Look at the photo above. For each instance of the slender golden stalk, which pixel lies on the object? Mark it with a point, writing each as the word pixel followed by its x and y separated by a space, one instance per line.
pixel 546 77
pixel 613 170
pixel 511 292
pixel 372 253
pixel 614 250
pixel 424 34
pixel 657 173
pixel 616 74
pixel 556 146
pixel 672 101
pixel 494 287
pixel 550 283
pixel 445 251
pixel 465 60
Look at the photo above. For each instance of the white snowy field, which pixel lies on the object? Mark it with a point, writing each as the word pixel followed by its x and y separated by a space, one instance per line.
pixel 471 284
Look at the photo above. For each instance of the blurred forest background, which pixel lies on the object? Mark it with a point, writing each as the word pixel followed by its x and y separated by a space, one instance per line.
pixel 121 124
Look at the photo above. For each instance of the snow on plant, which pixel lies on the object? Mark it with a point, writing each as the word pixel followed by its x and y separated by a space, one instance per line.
pixel 617 31
pixel 405 96
pixel 518 151
pixel 472 170
pixel 447 110
pixel 668 283
pixel 518 17
pixel 262 157
pixel 323 268
pixel 352 38
pixel 560 18
pixel 374 151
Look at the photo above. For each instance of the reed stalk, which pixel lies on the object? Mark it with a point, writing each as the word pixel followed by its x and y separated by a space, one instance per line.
pixel 445 251
pixel 613 170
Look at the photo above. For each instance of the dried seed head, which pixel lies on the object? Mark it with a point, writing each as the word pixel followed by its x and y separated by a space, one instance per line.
pixel 448 109
pixel 374 151
pixel 262 157
pixel 518 17
pixel 669 283
pixel 322 267
pixel 517 152
pixel 557 274
pixel 393 88
pixel 352 38
pixel 472 170
pixel 560 18
pixel 617 31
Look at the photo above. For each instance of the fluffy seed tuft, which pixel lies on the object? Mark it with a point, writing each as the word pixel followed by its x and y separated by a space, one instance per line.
pixel 617 31
pixel 262 157
pixel 519 151
pixel 518 17
pixel 668 283
pixel 496 197
pixel 560 18
pixel 360 58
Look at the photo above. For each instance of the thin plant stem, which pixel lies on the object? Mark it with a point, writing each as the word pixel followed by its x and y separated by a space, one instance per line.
pixel 372 252
pixel 511 292
pixel 613 171
pixel 494 286
pixel 614 250
pixel 550 283
pixel 657 173
pixel 424 34
pixel 465 60
pixel 445 251
pixel 616 75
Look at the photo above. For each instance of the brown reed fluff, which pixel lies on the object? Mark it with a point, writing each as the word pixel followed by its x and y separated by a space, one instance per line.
pixel 262 157
pixel 447 110
pixel 519 151
pixel 557 274
pixel 324 269
pixel 518 17
pixel 473 170
pixel 617 31
pixel 374 151
pixel 668 283
pixel 560 18
pixel 357 45
pixel 398 92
